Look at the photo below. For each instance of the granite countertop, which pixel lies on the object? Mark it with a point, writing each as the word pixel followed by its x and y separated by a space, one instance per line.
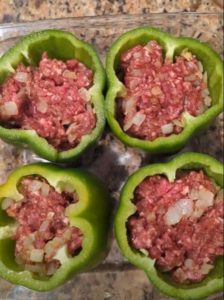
pixel 26 10
pixel 115 279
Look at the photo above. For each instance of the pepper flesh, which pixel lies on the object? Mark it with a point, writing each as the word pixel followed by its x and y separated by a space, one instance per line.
pixel 172 47
pixel 62 46
pixel 214 281
pixel 94 225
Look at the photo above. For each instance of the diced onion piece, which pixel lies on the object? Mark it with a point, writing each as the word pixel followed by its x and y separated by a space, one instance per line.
pixel 52 246
pixel 128 105
pixel 50 215
pixel 42 106
pixel 180 275
pixel 37 268
pixel 9 109
pixel 206 268
pixel 6 203
pixel 28 240
pixel 204 93
pixel 85 94
pixel 37 255
pixel 21 76
pixel 156 91
pixel 128 125
pixel 138 119
pixel 207 101
pixel 71 132
pixel 70 75
pixel 167 128
pixel 137 55
pixel 219 196
pixel 67 234
pixel 190 78
pixel 45 188
pixel 62 254
pixel 150 217
pixel 178 123
pixel 35 185
pixel 206 196
pixel 43 227
pixel 193 194
pixel 189 263
pixel 136 72
pixel 205 199
pixel 182 208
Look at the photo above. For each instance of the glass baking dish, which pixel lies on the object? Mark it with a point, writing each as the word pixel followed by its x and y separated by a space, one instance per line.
pixel 110 160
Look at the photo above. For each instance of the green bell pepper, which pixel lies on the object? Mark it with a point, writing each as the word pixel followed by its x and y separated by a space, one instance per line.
pixel 91 214
pixel 172 46
pixel 60 45
pixel 214 281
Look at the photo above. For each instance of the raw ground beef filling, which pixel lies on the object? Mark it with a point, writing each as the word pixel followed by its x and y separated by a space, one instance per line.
pixel 179 224
pixel 43 230
pixel 53 99
pixel 158 91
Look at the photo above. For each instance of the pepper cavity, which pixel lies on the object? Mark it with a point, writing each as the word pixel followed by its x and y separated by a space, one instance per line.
pixel 159 91
pixel 179 224
pixel 44 237
pixel 52 99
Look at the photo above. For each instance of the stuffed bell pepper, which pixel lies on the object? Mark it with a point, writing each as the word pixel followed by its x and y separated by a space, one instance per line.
pixel 54 223
pixel 51 98
pixel 162 89
pixel 170 224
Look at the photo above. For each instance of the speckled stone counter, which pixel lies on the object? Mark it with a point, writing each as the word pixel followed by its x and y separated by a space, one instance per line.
pixel 115 279
pixel 26 10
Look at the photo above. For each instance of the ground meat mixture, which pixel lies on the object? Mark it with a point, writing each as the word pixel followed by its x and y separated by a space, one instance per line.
pixel 43 230
pixel 158 91
pixel 53 99
pixel 179 224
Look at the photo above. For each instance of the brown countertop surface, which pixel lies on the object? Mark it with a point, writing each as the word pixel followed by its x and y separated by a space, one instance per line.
pixel 26 10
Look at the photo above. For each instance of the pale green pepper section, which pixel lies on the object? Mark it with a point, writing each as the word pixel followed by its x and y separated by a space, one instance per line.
pixel 91 214
pixel 172 46
pixel 214 282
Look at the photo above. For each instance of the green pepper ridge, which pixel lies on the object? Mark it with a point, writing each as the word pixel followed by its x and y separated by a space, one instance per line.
pixel 91 214
pixel 214 282
pixel 61 45
pixel 171 46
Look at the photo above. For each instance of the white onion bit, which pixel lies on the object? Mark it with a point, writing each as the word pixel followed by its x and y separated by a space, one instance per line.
pixel 167 128
pixel 206 268
pixel 35 185
pixel 85 94
pixel 138 119
pixel 37 255
pixel 42 106
pixel 207 101
pixel 45 188
pixel 70 75
pixel 156 91
pixel 21 76
pixel 9 109
pixel 182 208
